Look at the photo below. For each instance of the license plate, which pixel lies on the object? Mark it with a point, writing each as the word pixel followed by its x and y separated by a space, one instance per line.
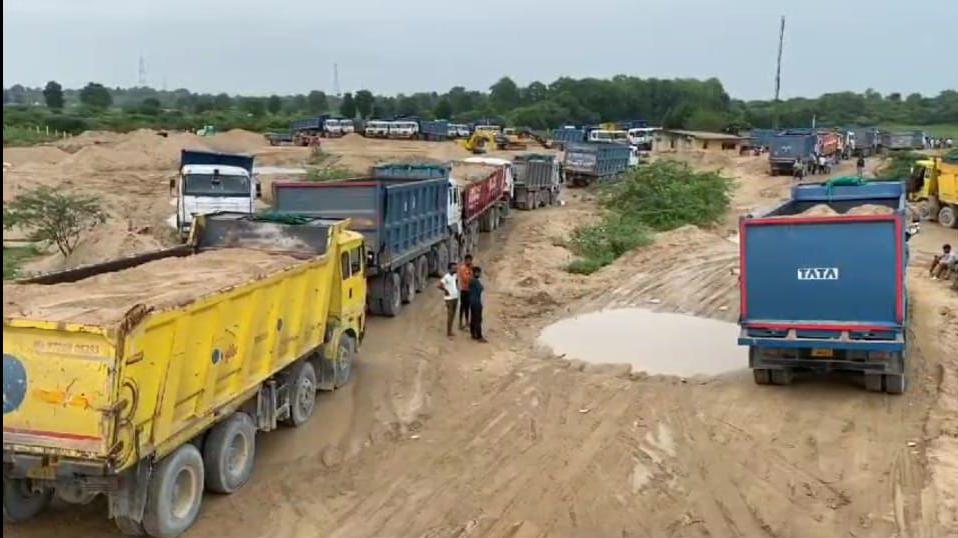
pixel 823 353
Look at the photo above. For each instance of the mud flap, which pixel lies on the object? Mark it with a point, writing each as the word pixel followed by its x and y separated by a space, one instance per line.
pixel 128 502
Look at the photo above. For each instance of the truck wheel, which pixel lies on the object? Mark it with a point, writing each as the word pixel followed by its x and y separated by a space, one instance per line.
pixel 21 502
pixel 228 453
pixel 948 217
pixel 392 296
pixel 873 382
pixel 175 493
pixel 455 253
pixel 895 383
pixel 761 376
pixel 302 397
pixel 408 282
pixel 346 355
pixel 422 274
pixel 442 255
pixel 432 259
pixel 782 377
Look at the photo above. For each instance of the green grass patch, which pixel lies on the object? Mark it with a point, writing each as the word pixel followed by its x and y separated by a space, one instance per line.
pixel 14 258
pixel 25 136
pixel 329 173
pixel 898 165
pixel 661 196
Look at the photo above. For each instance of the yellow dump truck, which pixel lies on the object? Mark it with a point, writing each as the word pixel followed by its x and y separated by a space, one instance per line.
pixel 146 379
pixel 934 186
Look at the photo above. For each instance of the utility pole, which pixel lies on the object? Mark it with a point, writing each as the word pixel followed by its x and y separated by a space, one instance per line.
pixel 778 73
pixel 336 80
pixel 142 72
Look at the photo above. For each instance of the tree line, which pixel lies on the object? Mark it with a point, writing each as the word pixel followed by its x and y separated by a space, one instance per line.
pixel 672 103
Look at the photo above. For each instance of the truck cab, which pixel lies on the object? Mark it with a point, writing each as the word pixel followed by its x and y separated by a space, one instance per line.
pixel 489 128
pixel 377 129
pixel 210 183
pixel 603 135
pixel 332 127
pixel 641 137
pixel 347 126
pixel 403 129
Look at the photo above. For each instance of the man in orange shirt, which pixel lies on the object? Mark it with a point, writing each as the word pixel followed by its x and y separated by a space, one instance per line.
pixel 465 277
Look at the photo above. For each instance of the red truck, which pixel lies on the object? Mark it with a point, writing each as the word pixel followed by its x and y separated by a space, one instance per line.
pixel 485 187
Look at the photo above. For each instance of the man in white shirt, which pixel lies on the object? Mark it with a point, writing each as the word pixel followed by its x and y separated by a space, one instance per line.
pixel 947 260
pixel 448 284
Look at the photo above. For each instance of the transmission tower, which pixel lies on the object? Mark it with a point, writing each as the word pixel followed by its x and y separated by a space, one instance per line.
pixel 336 80
pixel 778 70
pixel 142 72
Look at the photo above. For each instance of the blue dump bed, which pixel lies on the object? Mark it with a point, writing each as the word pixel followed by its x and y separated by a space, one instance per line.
pixel 568 135
pixel 434 129
pixel 588 161
pixel 762 137
pixel 192 156
pixel 399 219
pixel 826 289
pixel 410 171
pixel 309 124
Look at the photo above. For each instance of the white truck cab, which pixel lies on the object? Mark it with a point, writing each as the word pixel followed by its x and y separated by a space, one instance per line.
pixel 602 135
pixel 403 129
pixel 332 127
pixel 347 126
pixel 462 130
pixel 642 137
pixel 377 129
pixel 205 186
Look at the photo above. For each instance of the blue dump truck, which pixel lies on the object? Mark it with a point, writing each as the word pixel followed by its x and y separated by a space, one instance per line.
pixel 586 162
pixel 787 148
pixel 823 284
pixel 762 138
pixel 433 129
pixel 565 135
pixel 404 222
pixel 865 141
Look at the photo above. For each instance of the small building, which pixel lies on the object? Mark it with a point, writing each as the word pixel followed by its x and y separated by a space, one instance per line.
pixel 681 140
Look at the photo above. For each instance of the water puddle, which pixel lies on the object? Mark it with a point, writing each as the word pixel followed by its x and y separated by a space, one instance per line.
pixel 653 342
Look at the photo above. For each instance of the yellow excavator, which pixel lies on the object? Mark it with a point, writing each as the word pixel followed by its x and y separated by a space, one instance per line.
pixel 482 141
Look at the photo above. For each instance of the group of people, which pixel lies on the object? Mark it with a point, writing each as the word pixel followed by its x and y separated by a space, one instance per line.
pixel 463 294
pixel 945 264
pixel 817 164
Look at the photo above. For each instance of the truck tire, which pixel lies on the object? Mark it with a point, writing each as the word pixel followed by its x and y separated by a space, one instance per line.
pixel 785 376
pixel 895 383
pixel 455 253
pixel 346 355
pixel 761 376
pixel 442 255
pixel 228 453
pixel 128 526
pixel 432 257
pixel 302 393
pixel 408 282
pixel 422 273
pixel 392 295
pixel 948 216
pixel 873 382
pixel 175 493
pixel 20 502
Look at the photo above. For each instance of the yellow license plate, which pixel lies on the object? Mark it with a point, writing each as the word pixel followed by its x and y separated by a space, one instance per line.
pixel 823 353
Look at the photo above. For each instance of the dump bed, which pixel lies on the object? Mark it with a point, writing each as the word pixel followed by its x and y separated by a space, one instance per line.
pixel 400 219
pixel 597 159
pixel 193 156
pixel 536 171
pixel 568 135
pixel 789 147
pixel 827 267
pixel 910 140
pixel 107 364
pixel 434 129
pixel 483 186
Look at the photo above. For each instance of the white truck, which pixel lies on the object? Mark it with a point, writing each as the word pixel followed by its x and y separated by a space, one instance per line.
pixel 403 129
pixel 347 126
pixel 642 137
pixel 210 182
pixel 332 127
pixel 376 129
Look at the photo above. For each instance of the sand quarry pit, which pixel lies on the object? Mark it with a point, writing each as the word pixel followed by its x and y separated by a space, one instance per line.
pixel 505 440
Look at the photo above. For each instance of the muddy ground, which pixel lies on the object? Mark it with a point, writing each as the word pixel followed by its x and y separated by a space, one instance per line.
pixel 438 437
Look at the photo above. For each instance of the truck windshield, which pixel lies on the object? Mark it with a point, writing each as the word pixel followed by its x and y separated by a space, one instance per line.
pixel 216 185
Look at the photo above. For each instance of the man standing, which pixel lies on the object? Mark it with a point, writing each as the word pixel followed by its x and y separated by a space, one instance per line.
pixel 475 305
pixel 465 278
pixel 861 165
pixel 448 285
pixel 798 170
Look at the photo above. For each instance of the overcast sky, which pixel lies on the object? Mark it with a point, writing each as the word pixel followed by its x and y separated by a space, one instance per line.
pixel 392 46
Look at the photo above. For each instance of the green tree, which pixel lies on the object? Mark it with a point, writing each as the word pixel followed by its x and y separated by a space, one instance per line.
pixel 534 93
pixel 348 106
pixel 504 94
pixel 274 104
pixel 150 107
pixel 317 102
pixel 96 96
pixel 222 102
pixel 254 106
pixel 53 95
pixel 364 103
pixel 443 109
pixel 53 217
pixel 297 104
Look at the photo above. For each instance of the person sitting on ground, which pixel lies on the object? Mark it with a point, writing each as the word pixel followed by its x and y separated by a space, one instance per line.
pixel 948 261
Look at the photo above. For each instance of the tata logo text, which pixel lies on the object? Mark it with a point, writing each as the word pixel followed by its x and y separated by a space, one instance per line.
pixel 818 273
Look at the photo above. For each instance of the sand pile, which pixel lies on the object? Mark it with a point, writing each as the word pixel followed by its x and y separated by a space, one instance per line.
pixel 818 210
pixel 870 209
pixel 236 141
pixel 35 154
pixel 471 171
pixel 106 298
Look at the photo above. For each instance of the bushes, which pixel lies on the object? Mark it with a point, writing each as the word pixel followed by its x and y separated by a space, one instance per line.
pixel 898 165
pixel 661 196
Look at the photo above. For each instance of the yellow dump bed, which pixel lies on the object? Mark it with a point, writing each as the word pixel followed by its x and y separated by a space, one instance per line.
pixel 110 363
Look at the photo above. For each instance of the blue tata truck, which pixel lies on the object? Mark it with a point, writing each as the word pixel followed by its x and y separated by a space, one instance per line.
pixel 825 289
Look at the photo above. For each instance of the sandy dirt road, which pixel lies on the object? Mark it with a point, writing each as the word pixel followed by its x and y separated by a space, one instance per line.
pixel 438 437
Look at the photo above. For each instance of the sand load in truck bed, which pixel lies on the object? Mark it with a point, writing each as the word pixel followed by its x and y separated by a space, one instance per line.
pixel 471 172
pixel 104 299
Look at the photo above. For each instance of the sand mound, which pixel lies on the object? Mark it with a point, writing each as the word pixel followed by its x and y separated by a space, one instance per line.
pixel 471 171
pixel 870 209
pixel 88 138
pixel 106 298
pixel 818 210
pixel 35 154
pixel 236 141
